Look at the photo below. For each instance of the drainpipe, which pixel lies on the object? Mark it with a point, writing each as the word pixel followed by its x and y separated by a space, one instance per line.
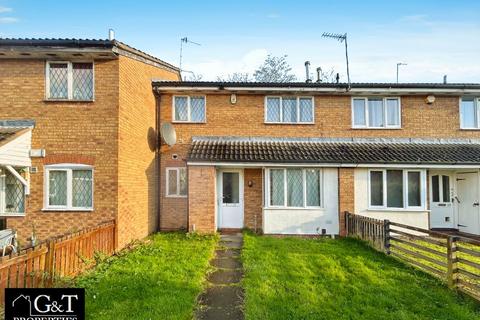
pixel 158 157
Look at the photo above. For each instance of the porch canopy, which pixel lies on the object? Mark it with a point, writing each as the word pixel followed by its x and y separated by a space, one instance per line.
pixel 336 152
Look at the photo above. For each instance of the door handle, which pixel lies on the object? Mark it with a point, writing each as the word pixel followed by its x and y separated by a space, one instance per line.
pixel 476 204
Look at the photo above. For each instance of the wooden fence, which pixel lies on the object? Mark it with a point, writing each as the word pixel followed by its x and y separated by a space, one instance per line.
pixel 452 258
pixel 62 256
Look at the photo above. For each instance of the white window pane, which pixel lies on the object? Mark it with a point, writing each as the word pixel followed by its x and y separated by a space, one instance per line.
pixel 289 106
pixel 183 181
pixel 57 188
pixel 468 114
pixel 375 113
pixel 306 110
pixel 294 188
pixel 395 188
pixel 82 188
pixel 393 112
pixel 197 111
pixel 58 75
pixel 14 194
pixel 359 117
pixel 172 182
pixel 230 187
pixel 313 187
pixel 446 189
pixel 273 109
pixel 277 187
pixel 82 81
pixel 181 109
pixel 376 188
pixel 414 194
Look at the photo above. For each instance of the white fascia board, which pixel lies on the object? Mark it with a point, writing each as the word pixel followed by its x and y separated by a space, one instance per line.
pixel 334 165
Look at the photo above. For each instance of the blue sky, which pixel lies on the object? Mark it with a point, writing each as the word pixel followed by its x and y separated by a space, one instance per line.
pixel 433 37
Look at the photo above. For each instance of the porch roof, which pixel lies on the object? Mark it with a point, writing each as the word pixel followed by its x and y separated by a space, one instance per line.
pixel 333 151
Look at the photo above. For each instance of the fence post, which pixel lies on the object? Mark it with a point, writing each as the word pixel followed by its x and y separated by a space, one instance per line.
pixel 452 261
pixel 49 262
pixel 386 235
pixel 347 231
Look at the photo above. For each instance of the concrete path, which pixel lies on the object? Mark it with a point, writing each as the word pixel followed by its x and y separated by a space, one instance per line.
pixel 223 297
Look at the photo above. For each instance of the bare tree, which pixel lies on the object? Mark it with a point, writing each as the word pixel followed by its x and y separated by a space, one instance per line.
pixel 235 77
pixel 194 76
pixel 274 69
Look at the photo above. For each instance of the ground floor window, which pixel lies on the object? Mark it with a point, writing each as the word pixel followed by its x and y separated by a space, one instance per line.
pixel 399 189
pixel 69 187
pixel 295 187
pixel 12 194
pixel 176 184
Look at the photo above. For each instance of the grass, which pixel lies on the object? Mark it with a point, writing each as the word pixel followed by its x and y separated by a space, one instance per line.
pixel 293 278
pixel 157 280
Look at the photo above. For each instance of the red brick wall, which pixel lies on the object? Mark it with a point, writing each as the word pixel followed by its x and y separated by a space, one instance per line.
pixel 346 195
pixel 137 165
pixel 253 199
pixel 68 131
pixel 201 198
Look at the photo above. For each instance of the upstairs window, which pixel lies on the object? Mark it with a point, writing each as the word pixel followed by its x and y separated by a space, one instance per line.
pixel 376 113
pixel 289 110
pixel 69 81
pixel 397 189
pixel 470 113
pixel 189 109
pixel 69 187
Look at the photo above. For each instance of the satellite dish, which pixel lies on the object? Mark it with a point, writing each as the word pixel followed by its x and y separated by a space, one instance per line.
pixel 167 132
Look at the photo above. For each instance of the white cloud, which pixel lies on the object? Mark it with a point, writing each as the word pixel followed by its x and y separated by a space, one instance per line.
pixel 5 9
pixel 273 15
pixel 4 20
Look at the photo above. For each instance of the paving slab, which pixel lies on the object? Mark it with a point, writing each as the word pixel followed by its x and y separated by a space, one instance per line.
pixel 234 313
pixel 231 244
pixel 222 296
pixel 227 253
pixel 226 263
pixel 222 276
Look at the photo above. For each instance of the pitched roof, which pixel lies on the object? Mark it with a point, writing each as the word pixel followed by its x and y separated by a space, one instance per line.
pixel 58 43
pixel 8 134
pixel 345 151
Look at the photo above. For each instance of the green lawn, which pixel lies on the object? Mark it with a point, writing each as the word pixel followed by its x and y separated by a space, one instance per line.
pixel 158 280
pixel 292 278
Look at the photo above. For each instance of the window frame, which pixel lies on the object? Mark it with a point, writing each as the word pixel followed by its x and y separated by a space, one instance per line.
pixel 3 198
pixel 167 183
pixel 406 207
pixel 268 204
pixel 281 110
pixel 385 117
pixel 189 97
pixel 69 80
pixel 476 104
pixel 69 168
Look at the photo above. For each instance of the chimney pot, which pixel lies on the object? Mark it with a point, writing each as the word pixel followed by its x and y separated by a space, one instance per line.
pixel 319 72
pixel 307 71
pixel 111 34
pixel 445 79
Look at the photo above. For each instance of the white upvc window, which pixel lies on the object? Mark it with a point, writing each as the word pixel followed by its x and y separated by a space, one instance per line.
pixel 470 113
pixel 189 109
pixel 66 80
pixel 376 112
pixel 68 187
pixel 397 189
pixel 12 194
pixel 176 182
pixel 294 188
pixel 291 110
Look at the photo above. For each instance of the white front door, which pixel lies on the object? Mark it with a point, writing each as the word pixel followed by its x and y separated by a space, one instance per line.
pixel 441 200
pixel 230 199
pixel 468 202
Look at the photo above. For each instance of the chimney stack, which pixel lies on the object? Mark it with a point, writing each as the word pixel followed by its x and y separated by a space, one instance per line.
pixel 319 73
pixel 445 79
pixel 338 78
pixel 111 34
pixel 307 71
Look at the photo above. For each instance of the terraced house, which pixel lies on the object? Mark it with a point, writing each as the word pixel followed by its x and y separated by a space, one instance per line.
pixel 290 158
pixel 77 136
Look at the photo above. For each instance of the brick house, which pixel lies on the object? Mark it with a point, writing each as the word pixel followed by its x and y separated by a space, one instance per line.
pixel 290 158
pixel 77 136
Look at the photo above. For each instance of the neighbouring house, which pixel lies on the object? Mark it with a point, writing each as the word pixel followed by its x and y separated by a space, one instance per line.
pixel 290 158
pixel 78 136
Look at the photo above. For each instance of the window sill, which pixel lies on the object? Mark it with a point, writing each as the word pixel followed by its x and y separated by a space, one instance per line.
pixel 189 122
pixel 377 128
pixel 68 100
pixel 66 210
pixel 470 129
pixel 294 208
pixel 11 215
pixel 290 123
pixel 176 197
pixel 396 210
